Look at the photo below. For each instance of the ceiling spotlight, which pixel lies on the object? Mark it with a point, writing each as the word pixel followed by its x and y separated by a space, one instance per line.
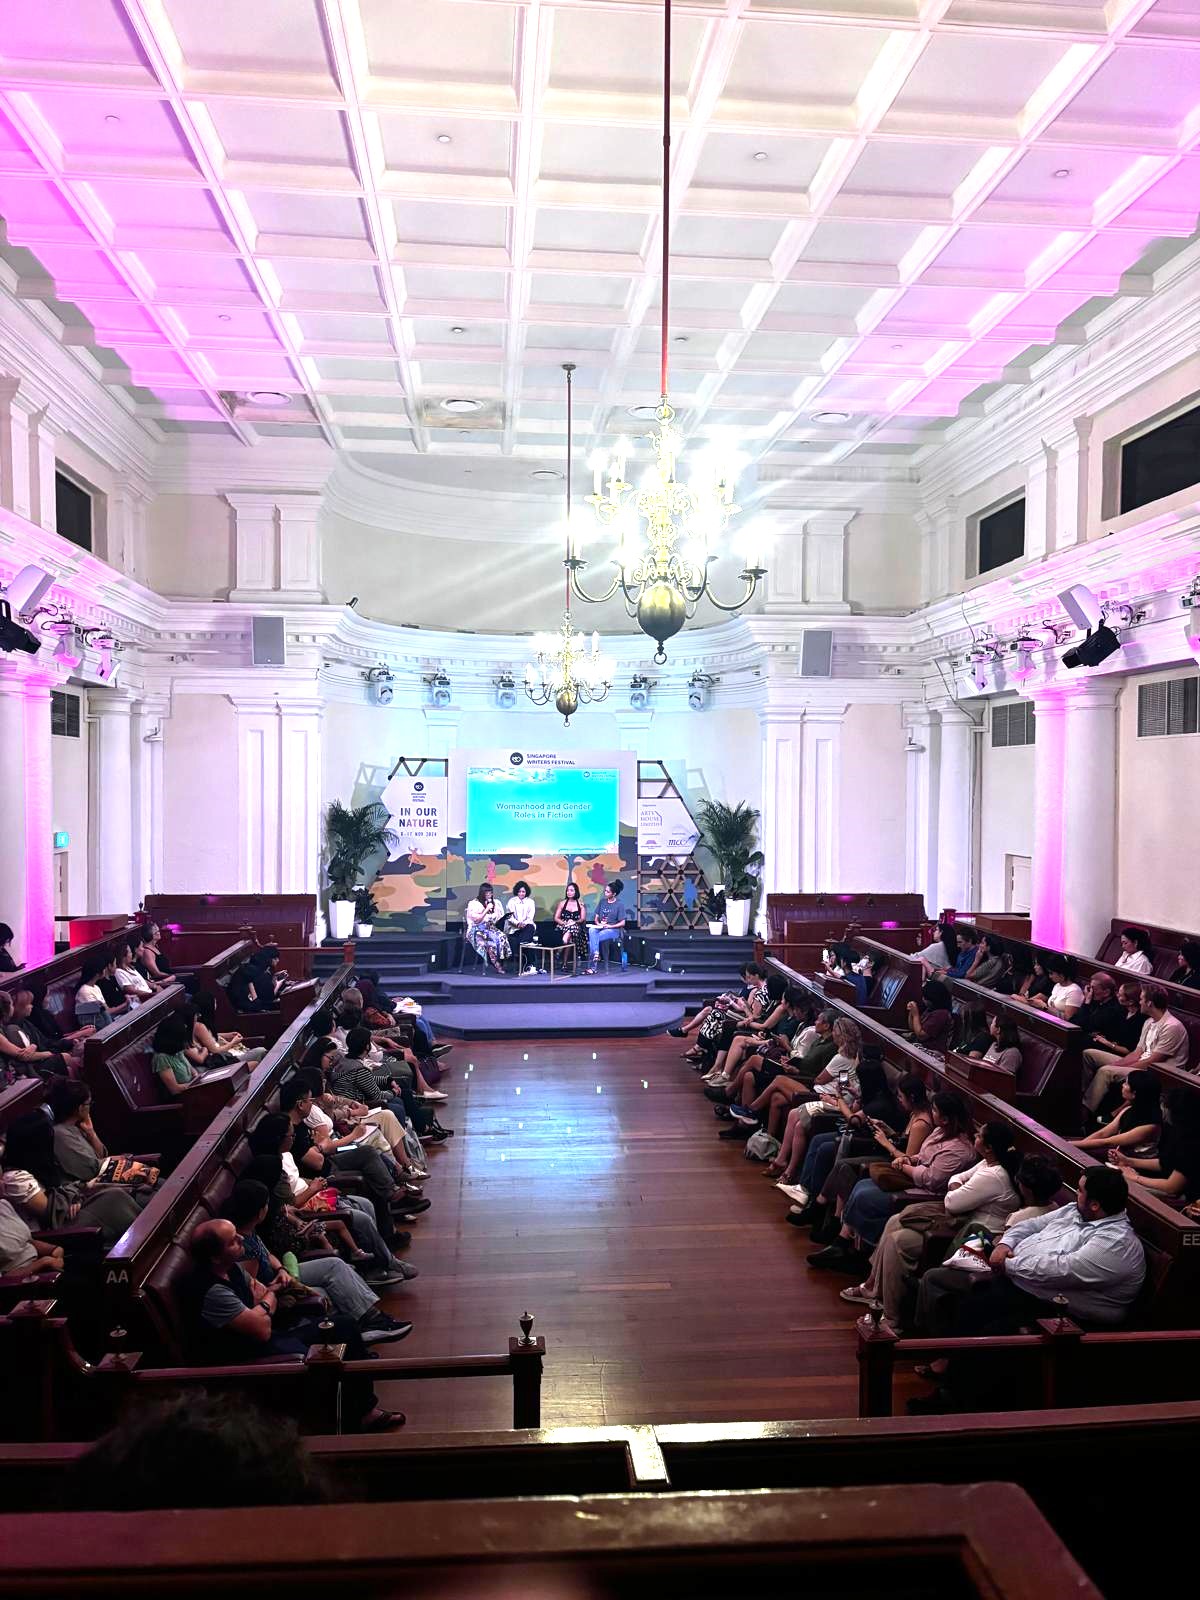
pixel 438 683
pixel 27 589
pixel 13 636
pixel 266 397
pixel 832 416
pixel 681 338
pixel 1061 172
pixel 1192 632
pixel 459 406
pixel 223 316
pixel 544 474
pixel 112 119
pixel 458 328
pixel 380 680
pixel 506 691
pixel 981 660
pixel 643 413
pixel 444 138
pixel 698 686
pixel 760 155
pixel 1096 647
pixel 639 691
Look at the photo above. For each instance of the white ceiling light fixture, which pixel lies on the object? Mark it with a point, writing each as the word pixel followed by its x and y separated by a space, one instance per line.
pixel 545 474
pixel 1061 172
pixel 831 416
pixel 643 413
pixel 664 529
pixel 266 397
pixel 444 138
pixel 458 328
pixel 461 407
pixel 760 155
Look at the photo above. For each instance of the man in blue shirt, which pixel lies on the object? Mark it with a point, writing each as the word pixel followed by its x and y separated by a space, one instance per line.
pixel 608 921
pixel 1085 1256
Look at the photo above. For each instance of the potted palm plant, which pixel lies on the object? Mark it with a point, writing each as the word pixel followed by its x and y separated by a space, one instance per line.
pixel 731 833
pixel 353 836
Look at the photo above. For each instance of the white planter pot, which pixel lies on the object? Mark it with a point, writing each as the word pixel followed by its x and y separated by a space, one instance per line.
pixel 363 930
pixel 737 918
pixel 341 919
pixel 716 929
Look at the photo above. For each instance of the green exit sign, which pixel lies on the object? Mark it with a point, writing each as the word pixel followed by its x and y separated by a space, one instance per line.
pixel 61 840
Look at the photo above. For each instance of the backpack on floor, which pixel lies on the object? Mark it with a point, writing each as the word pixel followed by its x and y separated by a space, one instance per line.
pixel 761 1147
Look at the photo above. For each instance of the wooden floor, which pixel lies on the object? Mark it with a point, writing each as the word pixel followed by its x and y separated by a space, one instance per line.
pixel 595 1193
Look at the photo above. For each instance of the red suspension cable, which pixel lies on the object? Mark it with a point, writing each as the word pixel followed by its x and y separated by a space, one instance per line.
pixel 569 368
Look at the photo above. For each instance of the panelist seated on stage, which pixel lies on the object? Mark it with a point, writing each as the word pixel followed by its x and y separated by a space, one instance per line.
pixel 608 922
pixel 482 931
pixel 520 916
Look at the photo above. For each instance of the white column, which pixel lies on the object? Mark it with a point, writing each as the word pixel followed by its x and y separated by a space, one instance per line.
pixel 256 562
pixel 1075 817
pixel 1039 515
pixel 26 817
pixel 259 819
pixel 300 796
pixel 299 548
pixel 955 764
pixel 920 876
pixel 110 714
pixel 147 781
pixel 43 467
pixel 825 560
pixel 16 425
pixel 821 741
pixel 782 765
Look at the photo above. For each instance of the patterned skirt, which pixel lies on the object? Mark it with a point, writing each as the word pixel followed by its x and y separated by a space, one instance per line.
pixel 488 940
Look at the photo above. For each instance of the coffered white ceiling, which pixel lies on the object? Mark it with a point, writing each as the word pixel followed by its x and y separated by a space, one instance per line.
pixel 881 208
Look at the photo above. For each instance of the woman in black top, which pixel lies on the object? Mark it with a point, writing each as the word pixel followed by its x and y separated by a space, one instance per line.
pixel 7 964
pixel 1188 971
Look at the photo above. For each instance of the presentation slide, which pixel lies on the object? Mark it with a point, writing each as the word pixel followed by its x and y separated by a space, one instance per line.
pixel 527 809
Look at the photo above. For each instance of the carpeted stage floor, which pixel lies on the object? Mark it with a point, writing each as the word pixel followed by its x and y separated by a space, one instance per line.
pixel 596 1194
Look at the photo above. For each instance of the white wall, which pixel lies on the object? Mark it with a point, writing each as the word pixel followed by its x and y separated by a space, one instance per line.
pixel 871 824
pixel 190 546
pixel 200 795
pixel 69 805
pixel 1157 807
pixel 1005 815
pixel 883 563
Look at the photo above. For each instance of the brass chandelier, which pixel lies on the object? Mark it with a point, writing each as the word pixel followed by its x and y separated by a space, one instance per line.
pixel 663 568
pixel 569 670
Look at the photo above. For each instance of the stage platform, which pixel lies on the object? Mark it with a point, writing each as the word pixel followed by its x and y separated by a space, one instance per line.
pixel 683 970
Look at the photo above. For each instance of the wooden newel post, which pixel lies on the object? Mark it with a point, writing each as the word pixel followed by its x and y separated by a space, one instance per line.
pixel 876 1353
pixel 31 1402
pixel 321 1404
pixel 526 1355
pixel 1060 1342
pixel 348 953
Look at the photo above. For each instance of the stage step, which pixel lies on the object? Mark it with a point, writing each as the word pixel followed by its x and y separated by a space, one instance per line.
pixel 569 1019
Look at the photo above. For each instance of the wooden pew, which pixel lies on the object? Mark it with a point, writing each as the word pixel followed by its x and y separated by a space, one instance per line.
pixel 1049 1083
pixel 132 1110
pixel 269 915
pixel 985 1540
pixel 212 978
pixel 55 981
pixel 1183 1002
pixel 1166 943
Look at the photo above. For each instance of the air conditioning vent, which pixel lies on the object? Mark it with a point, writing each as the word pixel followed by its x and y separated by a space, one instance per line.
pixel 1168 708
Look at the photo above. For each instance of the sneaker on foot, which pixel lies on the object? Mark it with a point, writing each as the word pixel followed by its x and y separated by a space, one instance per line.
pixel 794 1192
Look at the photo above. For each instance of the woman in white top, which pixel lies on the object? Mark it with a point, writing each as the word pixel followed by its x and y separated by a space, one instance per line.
pixel 980 1196
pixel 482 933
pixel 132 984
pixel 1137 953
pixel 520 921
pixel 1066 996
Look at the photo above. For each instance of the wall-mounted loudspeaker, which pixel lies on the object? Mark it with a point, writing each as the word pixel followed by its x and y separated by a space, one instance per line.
pixel 267 646
pixel 816 653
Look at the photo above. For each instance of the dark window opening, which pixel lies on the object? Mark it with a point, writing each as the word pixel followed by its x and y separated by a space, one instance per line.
pixel 64 714
pixel 1161 462
pixel 1002 536
pixel 74 510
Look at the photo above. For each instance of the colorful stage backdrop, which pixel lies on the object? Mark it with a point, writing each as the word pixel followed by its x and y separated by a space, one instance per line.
pixel 571 813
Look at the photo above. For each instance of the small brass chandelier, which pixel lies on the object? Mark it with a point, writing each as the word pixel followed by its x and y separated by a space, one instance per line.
pixel 569 670
pixel 663 580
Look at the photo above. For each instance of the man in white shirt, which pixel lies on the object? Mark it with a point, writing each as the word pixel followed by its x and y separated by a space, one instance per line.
pixel 1164 1042
pixel 1084 1260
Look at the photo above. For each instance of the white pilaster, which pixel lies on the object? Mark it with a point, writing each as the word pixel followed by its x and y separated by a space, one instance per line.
pixel 16 425
pixel 920 874
pixel 782 758
pixel 110 715
pixel 784 583
pixel 1070 508
pixel 441 730
pixel 825 560
pixel 258 795
pixel 256 567
pixel 1075 815
pixel 1039 513
pixel 954 827
pixel 821 742
pixel 299 548
pixel 43 466
pixel 300 796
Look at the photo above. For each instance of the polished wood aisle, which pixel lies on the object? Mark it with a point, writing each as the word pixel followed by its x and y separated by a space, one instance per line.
pixel 596 1194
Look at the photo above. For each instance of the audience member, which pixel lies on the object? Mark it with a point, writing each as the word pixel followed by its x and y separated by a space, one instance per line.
pixel 1066 995
pixel 220 1049
pixel 1188 971
pixel 989 962
pixel 7 963
pixel 40 1191
pixel 1164 1042
pixel 940 955
pixel 931 1018
pixel 1101 1011
pixel 1136 1126
pixel 172 1049
pixel 79 1151
pixel 1137 953
pixel 1085 1259
pixel 23 1052
pixel 236 1322
pixel 91 1005
pixel 1004 1050
pixel 21 1255
pixel 1173 1172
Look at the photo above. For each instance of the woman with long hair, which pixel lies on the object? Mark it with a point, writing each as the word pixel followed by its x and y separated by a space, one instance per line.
pixel 482 929
pixel 37 1189
pixel 1137 1126
pixel 570 920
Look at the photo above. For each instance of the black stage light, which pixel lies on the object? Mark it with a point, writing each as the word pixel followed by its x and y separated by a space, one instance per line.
pixel 13 636
pixel 1097 647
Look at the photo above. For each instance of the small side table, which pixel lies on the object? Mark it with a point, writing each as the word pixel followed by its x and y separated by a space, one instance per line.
pixel 543 956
